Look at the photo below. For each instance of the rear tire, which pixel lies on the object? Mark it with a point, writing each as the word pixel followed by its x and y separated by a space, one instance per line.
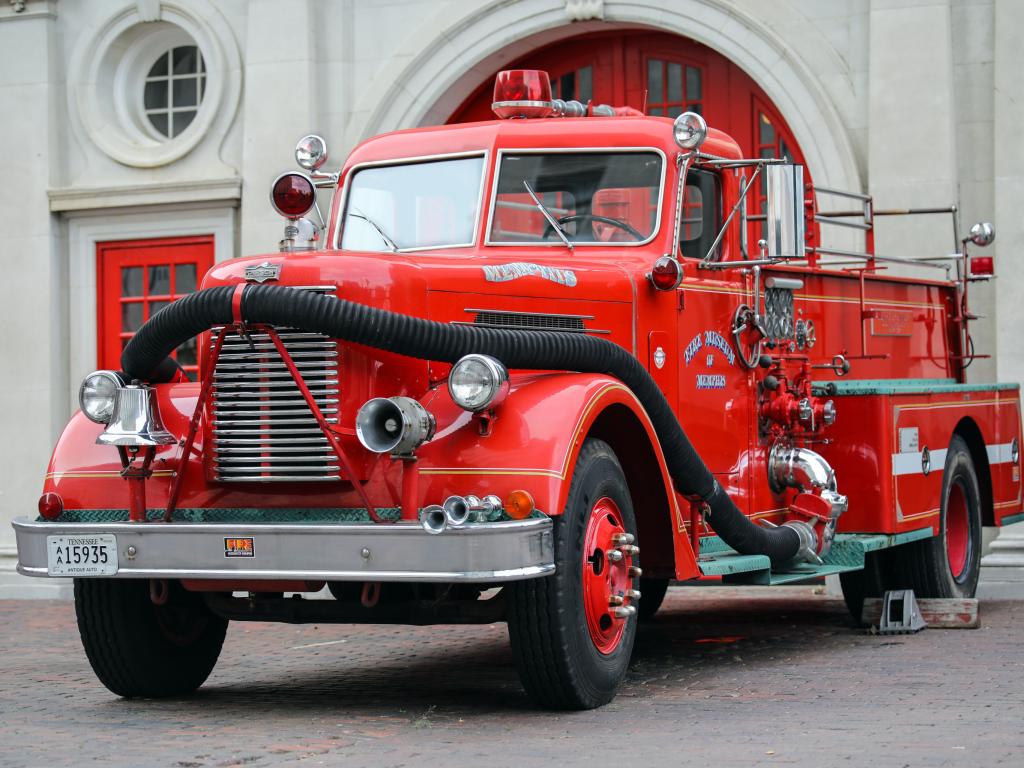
pixel 139 649
pixel 870 581
pixel 652 594
pixel 947 565
pixel 571 651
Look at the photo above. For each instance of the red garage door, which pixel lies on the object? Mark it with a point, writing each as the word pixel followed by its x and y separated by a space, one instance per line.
pixel 137 278
pixel 673 73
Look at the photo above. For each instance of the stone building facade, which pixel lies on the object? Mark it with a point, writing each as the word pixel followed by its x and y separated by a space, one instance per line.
pixel 144 134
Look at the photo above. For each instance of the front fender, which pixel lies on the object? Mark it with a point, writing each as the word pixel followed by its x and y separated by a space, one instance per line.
pixel 533 444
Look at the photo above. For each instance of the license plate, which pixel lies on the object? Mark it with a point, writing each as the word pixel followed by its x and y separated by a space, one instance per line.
pixel 84 555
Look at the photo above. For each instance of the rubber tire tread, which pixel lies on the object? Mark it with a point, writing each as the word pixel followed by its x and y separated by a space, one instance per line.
pixel 554 654
pixel 870 581
pixel 128 650
pixel 652 594
pixel 923 566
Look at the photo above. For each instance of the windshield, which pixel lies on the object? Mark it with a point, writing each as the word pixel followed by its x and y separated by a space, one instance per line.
pixel 427 204
pixel 594 197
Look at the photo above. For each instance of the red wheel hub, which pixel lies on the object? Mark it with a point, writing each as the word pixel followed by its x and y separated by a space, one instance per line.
pixel 607 560
pixel 958 531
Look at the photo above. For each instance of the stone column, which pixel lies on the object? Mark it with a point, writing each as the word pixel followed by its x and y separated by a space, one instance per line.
pixel 33 291
pixel 911 107
pixel 279 107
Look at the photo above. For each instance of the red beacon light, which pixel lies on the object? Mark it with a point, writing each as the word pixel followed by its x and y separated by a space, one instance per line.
pixel 667 274
pixel 522 93
pixel 293 194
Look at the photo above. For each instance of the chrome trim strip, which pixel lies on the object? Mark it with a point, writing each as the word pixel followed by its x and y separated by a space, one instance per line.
pixel 575 151
pixel 482 552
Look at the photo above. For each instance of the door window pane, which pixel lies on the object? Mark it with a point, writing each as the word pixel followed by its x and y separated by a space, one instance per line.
pixel 694 90
pixel 131 316
pixel 585 84
pixel 160 280
pixel 655 92
pixel 184 278
pixel 131 281
pixel 675 82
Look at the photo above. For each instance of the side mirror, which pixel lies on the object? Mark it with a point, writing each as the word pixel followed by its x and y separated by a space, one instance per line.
pixel 311 152
pixel 982 233
pixel 785 211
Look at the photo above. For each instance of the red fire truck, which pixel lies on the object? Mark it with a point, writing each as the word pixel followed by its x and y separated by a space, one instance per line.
pixel 517 360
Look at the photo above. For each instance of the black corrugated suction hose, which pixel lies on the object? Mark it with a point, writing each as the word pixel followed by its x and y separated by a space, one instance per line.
pixel 431 340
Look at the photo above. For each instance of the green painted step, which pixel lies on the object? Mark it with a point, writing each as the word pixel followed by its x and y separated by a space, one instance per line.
pixel 851 387
pixel 847 554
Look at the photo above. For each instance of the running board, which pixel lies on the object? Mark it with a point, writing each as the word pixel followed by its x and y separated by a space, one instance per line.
pixel 847 554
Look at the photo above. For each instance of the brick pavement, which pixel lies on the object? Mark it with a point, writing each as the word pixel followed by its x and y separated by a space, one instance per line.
pixel 723 677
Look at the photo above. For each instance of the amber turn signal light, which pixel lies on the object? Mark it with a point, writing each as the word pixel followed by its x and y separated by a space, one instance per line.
pixel 519 505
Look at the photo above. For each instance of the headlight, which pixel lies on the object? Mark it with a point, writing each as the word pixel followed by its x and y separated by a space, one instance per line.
pixel 96 395
pixel 478 382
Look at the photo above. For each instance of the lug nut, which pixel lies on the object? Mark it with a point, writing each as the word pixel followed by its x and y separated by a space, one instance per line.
pixel 614 555
pixel 633 594
pixel 615 600
pixel 635 571
pixel 622 538
pixel 629 550
pixel 624 611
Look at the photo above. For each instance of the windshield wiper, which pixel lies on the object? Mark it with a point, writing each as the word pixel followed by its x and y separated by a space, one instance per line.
pixel 555 225
pixel 360 215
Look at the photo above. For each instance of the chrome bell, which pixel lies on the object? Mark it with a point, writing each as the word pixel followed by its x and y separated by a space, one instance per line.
pixel 136 419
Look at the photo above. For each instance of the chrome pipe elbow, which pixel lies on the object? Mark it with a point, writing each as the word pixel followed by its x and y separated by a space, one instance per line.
pixel 800 468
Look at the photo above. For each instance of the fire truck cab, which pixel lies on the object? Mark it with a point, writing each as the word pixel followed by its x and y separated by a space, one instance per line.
pixel 530 370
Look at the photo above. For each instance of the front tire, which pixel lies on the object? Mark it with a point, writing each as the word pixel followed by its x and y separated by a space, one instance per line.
pixel 140 649
pixel 570 645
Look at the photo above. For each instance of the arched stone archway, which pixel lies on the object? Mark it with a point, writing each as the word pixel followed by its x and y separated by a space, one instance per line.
pixel 425 88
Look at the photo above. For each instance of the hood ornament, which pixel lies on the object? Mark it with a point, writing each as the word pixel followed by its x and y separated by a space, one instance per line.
pixel 260 273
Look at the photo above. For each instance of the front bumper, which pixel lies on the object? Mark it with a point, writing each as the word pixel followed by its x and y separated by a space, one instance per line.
pixel 482 552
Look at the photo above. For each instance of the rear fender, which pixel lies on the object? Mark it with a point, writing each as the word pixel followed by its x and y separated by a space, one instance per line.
pixel 533 443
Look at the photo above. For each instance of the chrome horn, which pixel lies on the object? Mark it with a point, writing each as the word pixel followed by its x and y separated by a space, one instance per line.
pixel 135 421
pixel 433 519
pixel 459 510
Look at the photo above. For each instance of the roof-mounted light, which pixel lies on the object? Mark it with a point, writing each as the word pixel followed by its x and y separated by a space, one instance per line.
pixel 690 130
pixel 522 93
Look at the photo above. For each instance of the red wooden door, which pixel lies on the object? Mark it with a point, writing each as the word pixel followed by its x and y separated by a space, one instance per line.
pixel 137 278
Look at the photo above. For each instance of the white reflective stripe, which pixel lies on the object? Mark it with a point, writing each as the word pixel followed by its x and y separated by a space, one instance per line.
pixel 910 463
pixel 1000 454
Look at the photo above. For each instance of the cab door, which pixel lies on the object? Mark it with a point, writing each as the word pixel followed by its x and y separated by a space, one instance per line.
pixel 715 389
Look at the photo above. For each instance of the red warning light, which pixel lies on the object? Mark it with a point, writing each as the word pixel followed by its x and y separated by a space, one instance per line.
pixel 522 93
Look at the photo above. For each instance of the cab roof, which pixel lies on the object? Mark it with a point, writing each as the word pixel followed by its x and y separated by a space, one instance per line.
pixel 537 133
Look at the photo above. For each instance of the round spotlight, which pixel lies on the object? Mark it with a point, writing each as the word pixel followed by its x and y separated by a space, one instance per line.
pixel 293 194
pixel 96 395
pixel 311 152
pixel 478 382
pixel 690 130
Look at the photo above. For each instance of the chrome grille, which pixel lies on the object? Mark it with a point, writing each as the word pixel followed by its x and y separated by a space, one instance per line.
pixel 263 431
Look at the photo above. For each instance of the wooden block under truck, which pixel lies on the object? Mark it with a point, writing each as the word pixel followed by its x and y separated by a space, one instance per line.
pixel 530 370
